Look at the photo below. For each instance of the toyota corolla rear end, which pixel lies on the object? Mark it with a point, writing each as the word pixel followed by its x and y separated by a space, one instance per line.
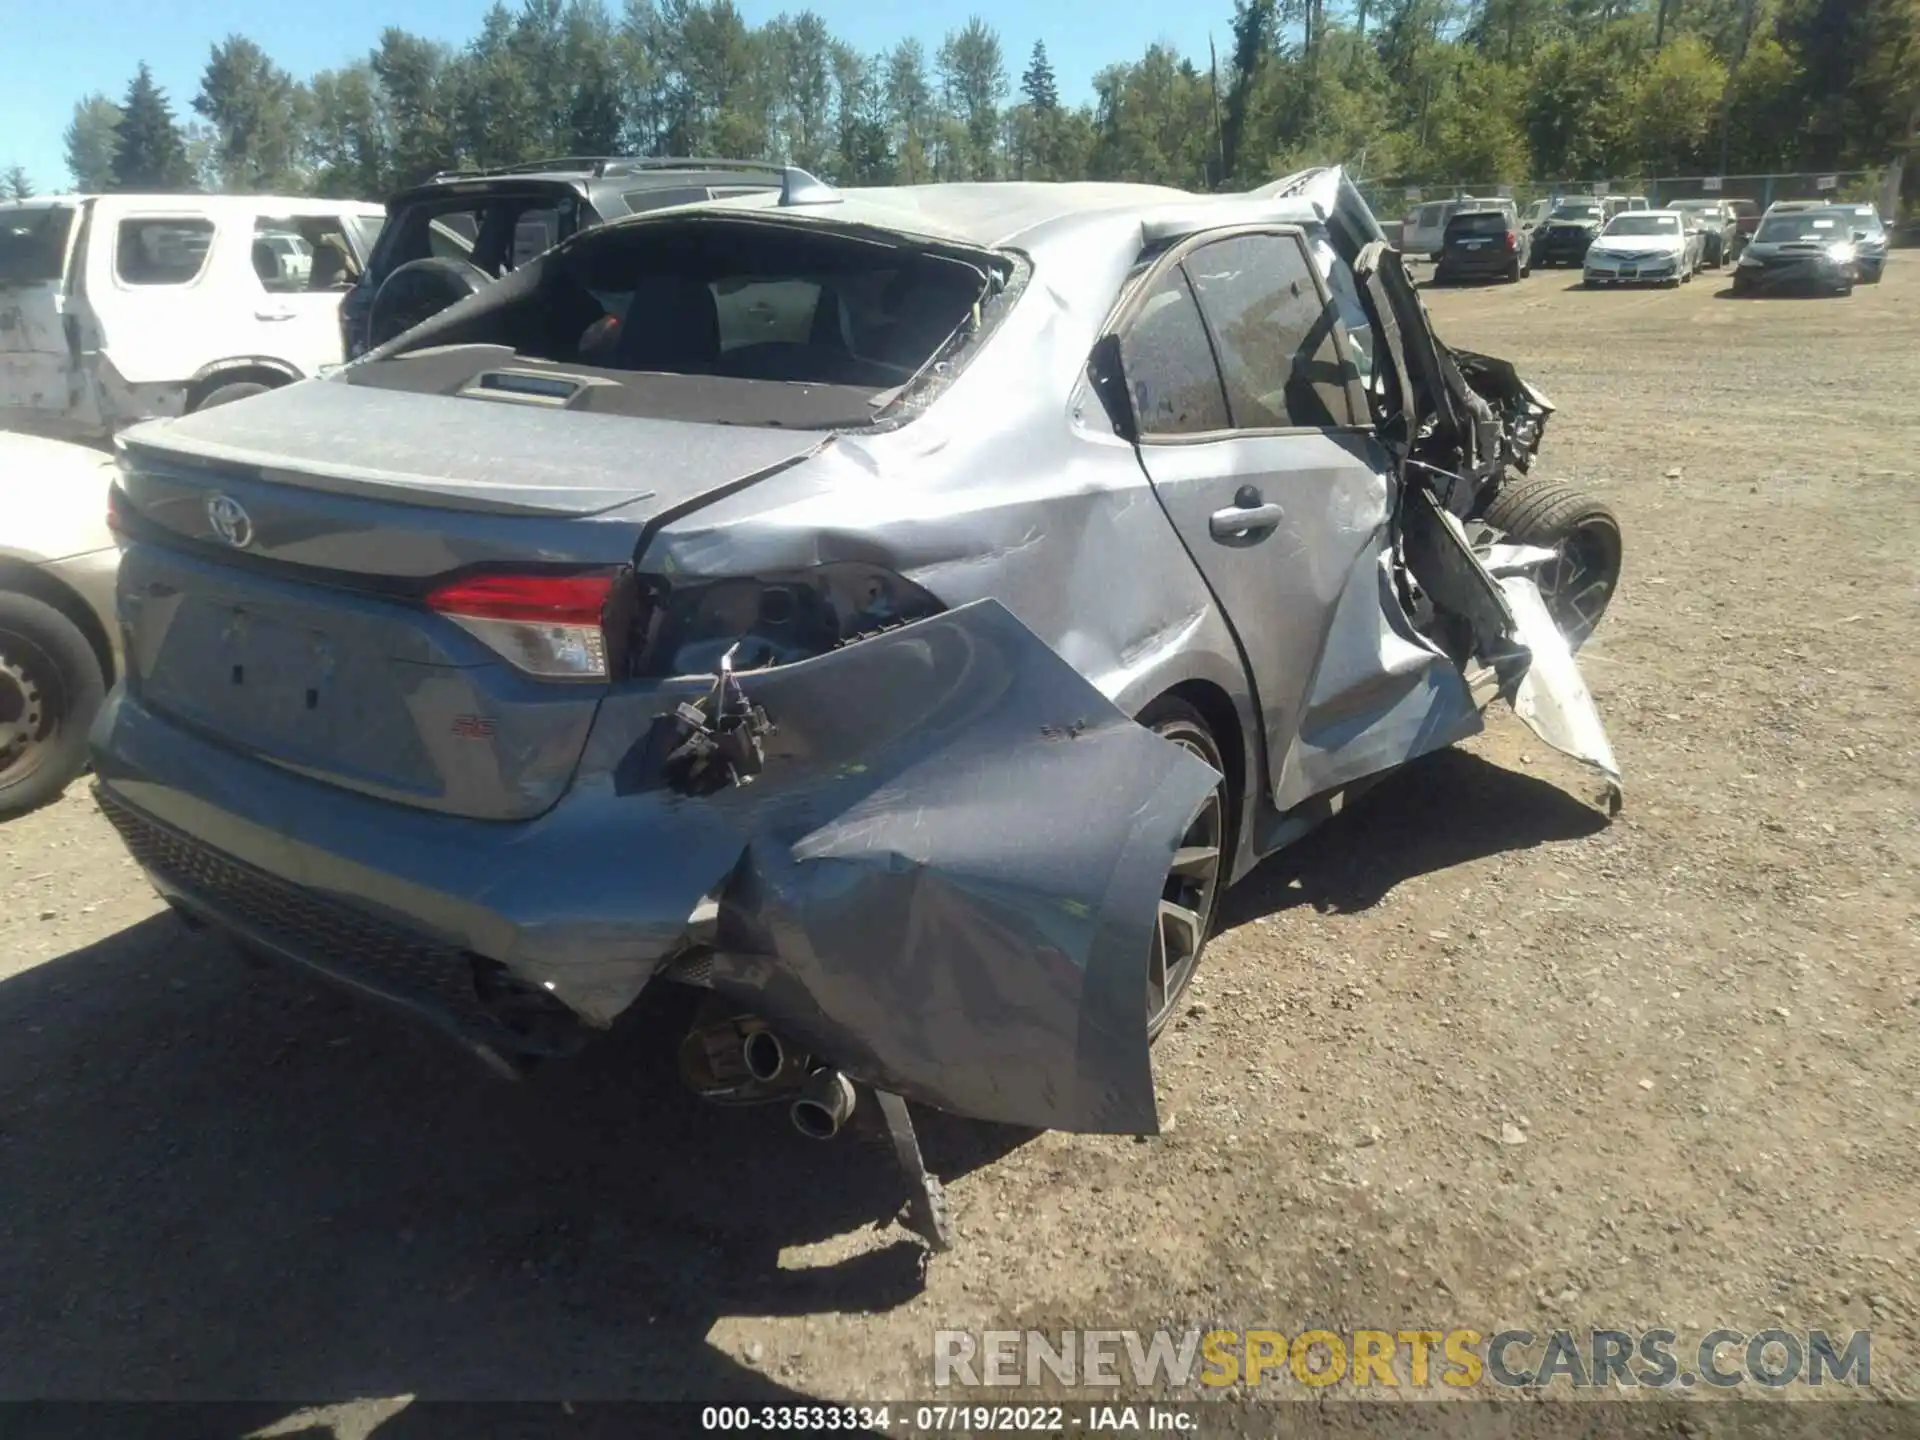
pixel 412 699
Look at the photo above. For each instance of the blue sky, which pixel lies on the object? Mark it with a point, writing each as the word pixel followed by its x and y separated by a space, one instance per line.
pixel 55 51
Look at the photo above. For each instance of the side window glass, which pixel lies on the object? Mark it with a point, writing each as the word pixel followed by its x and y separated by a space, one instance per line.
pixel 1277 352
pixel 295 254
pixel 534 233
pixel 450 235
pixel 1171 376
pixel 161 251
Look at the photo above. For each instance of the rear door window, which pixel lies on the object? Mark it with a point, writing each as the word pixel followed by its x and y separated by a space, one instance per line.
pixel 294 254
pixel 1171 375
pixel 534 233
pixel 1274 333
pixel 161 250
pixel 33 243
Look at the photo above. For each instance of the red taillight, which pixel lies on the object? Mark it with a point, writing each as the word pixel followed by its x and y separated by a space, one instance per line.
pixel 1513 241
pixel 548 625
pixel 116 513
pixel 554 599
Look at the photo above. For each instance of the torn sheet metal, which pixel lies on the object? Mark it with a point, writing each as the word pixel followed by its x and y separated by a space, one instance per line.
pixel 950 869
pixel 1552 697
pixel 1381 694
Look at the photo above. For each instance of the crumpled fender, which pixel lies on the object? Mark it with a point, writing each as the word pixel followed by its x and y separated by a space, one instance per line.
pixel 949 871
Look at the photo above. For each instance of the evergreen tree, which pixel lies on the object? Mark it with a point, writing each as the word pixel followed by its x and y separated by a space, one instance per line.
pixel 92 137
pixel 151 153
pixel 14 185
pixel 1038 84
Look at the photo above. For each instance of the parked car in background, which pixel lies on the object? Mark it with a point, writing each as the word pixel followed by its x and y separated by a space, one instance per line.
pixel 447 671
pixel 1482 244
pixel 1746 214
pixel 121 308
pixel 1426 229
pixel 1641 247
pixel 1719 230
pixel 1535 215
pixel 1568 231
pixel 1870 241
pixel 464 229
pixel 1800 249
pixel 58 636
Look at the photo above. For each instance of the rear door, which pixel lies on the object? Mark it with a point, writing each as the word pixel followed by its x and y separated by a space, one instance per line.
pixel 1255 433
pixel 39 375
pixel 296 307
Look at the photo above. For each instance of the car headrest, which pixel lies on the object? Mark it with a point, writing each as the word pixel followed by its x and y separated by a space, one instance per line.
pixel 671 323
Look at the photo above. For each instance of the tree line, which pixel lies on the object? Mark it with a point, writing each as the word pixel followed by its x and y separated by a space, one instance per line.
pixel 1435 90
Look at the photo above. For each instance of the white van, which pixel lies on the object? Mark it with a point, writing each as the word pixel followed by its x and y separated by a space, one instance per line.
pixel 121 308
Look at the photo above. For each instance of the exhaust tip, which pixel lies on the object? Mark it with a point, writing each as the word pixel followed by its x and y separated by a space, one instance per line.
pixel 763 1055
pixel 824 1105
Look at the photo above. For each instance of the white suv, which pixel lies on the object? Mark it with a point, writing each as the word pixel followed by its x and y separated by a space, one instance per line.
pixel 121 308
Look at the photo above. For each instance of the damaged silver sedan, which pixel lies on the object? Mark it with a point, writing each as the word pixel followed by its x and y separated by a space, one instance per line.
pixel 897 614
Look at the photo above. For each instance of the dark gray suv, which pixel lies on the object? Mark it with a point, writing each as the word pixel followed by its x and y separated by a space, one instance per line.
pixel 461 229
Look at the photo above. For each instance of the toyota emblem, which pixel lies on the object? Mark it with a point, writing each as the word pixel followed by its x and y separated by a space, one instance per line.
pixel 229 521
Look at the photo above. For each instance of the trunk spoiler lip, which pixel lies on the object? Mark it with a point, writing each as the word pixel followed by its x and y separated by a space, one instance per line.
pixel 441 452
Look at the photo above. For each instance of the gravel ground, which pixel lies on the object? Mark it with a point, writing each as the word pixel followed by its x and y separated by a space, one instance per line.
pixel 1475 1056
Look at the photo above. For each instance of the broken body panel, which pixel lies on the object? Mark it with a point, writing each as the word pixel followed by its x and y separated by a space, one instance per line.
pixel 939 862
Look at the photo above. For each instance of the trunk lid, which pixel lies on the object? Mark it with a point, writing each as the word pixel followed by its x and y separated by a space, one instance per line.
pixel 278 553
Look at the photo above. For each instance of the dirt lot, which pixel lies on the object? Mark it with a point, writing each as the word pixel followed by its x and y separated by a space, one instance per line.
pixel 1701 1021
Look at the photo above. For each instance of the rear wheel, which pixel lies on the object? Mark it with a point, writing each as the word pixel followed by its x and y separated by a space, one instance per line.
pixel 1583 533
pixel 1190 896
pixel 227 394
pixel 50 689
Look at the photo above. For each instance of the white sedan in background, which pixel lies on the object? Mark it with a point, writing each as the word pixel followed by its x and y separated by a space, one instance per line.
pixel 1645 247
pixel 58 638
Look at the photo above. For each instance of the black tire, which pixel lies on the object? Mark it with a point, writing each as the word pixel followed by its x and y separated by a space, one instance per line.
pixel 227 394
pixel 1192 895
pixel 1579 586
pixel 1513 273
pixel 51 687
pixel 419 290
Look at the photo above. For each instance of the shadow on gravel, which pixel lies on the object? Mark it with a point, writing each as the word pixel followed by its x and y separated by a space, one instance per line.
pixel 224 1183
pixel 1439 812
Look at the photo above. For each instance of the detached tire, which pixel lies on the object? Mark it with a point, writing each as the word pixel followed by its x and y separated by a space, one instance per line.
pixel 1190 898
pixel 50 689
pixel 1583 532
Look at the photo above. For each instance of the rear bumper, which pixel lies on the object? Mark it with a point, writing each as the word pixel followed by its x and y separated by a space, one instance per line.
pixel 1478 267
pixel 946 878
pixel 398 903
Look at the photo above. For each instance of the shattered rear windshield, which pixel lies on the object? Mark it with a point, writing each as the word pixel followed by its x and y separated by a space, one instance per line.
pixel 33 243
pixel 727 322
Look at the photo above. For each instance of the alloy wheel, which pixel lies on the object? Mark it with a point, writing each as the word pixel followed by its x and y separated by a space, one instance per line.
pixel 1192 886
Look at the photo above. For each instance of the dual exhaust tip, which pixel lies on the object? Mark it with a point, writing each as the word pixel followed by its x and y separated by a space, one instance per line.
pixel 826 1098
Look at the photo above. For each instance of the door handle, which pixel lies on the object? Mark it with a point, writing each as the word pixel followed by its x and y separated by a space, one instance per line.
pixel 273 314
pixel 1243 520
